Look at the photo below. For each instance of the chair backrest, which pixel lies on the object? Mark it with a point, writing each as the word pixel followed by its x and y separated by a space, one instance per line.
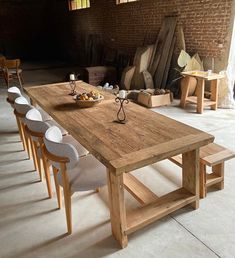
pixel 13 93
pixel 22 105
pixel 34 121
pixel 54 145
pixel 12 64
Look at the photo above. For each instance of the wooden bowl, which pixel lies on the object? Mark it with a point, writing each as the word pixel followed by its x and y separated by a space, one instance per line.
pixel 88 103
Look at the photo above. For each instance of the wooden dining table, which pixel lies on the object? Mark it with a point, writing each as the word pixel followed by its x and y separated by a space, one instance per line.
pixel 146 138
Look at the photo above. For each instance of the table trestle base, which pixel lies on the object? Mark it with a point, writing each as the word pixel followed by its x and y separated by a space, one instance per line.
pixel 138 190
pixel 163 206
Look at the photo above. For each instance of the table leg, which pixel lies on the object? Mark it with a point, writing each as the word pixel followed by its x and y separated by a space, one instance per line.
pixel 214 94
pixel 190 176
pixel 117 208
pixel 200 95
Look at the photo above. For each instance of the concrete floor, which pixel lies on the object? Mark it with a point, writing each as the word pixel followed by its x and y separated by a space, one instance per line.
pixel 31 225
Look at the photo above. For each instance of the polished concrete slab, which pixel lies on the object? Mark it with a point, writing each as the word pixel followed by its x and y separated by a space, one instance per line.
pixel 32 226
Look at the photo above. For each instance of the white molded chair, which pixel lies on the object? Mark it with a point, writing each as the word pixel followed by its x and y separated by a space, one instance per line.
pixel 22 106
pixel 75 173
pixel 13 93
pixel 36 128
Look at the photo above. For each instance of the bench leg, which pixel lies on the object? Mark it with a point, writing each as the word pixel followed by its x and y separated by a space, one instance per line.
pixel 203 189
pixel 218 170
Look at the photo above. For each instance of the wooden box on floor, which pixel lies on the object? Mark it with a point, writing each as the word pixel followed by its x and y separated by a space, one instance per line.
pixel 150 101
pixel 99 75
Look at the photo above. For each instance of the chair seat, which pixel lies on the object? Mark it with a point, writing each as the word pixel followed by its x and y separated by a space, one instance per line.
pixel 47 118
pixel 52 123
pixel 80 149
pixel 89 174
pixel 13 71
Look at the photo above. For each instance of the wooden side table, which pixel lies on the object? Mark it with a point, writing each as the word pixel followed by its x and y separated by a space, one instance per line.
pixel 199 99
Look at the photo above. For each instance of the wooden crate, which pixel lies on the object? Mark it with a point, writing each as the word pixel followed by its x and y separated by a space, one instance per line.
pixel 99 75
pixel 150 101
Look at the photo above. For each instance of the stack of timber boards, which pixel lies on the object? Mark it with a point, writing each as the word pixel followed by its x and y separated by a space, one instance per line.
pixel 163 51
pixel 141 63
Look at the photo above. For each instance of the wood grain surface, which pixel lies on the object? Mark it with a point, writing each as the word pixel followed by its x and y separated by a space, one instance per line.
pixel 146 138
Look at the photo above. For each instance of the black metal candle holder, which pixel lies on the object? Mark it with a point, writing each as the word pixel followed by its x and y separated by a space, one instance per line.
pixel 72 84
pixel 121 115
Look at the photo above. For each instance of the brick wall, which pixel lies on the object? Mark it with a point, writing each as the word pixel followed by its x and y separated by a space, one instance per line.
pixel 44 28
pixel 126 26
pixel 205 23
pixel 73 27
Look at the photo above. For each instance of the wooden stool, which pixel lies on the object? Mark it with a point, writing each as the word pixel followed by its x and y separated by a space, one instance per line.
pixel 214 156
pixel 199 98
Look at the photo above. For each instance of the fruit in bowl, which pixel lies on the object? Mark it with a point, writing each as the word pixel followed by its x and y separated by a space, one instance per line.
pixel 88 99
pixel 92 95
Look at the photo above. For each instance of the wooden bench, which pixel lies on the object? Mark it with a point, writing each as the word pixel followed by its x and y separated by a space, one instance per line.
pixel 214 156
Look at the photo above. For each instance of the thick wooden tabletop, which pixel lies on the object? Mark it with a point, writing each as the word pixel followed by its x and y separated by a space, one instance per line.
pixel 146 138
pixel 204 75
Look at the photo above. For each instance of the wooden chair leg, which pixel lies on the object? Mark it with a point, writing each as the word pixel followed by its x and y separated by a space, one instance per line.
pixel 46 167
pixel 203 188
pixel 41 168
pixel 19 79
pixel 67 198
pixel 34 155
pixel 67 204
pixel 37 159
pixel 20 132
pixel 27 140
pixel 218 170
pixel 24 138
pixel 57 187
pixel 40 162
pixel 7 80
